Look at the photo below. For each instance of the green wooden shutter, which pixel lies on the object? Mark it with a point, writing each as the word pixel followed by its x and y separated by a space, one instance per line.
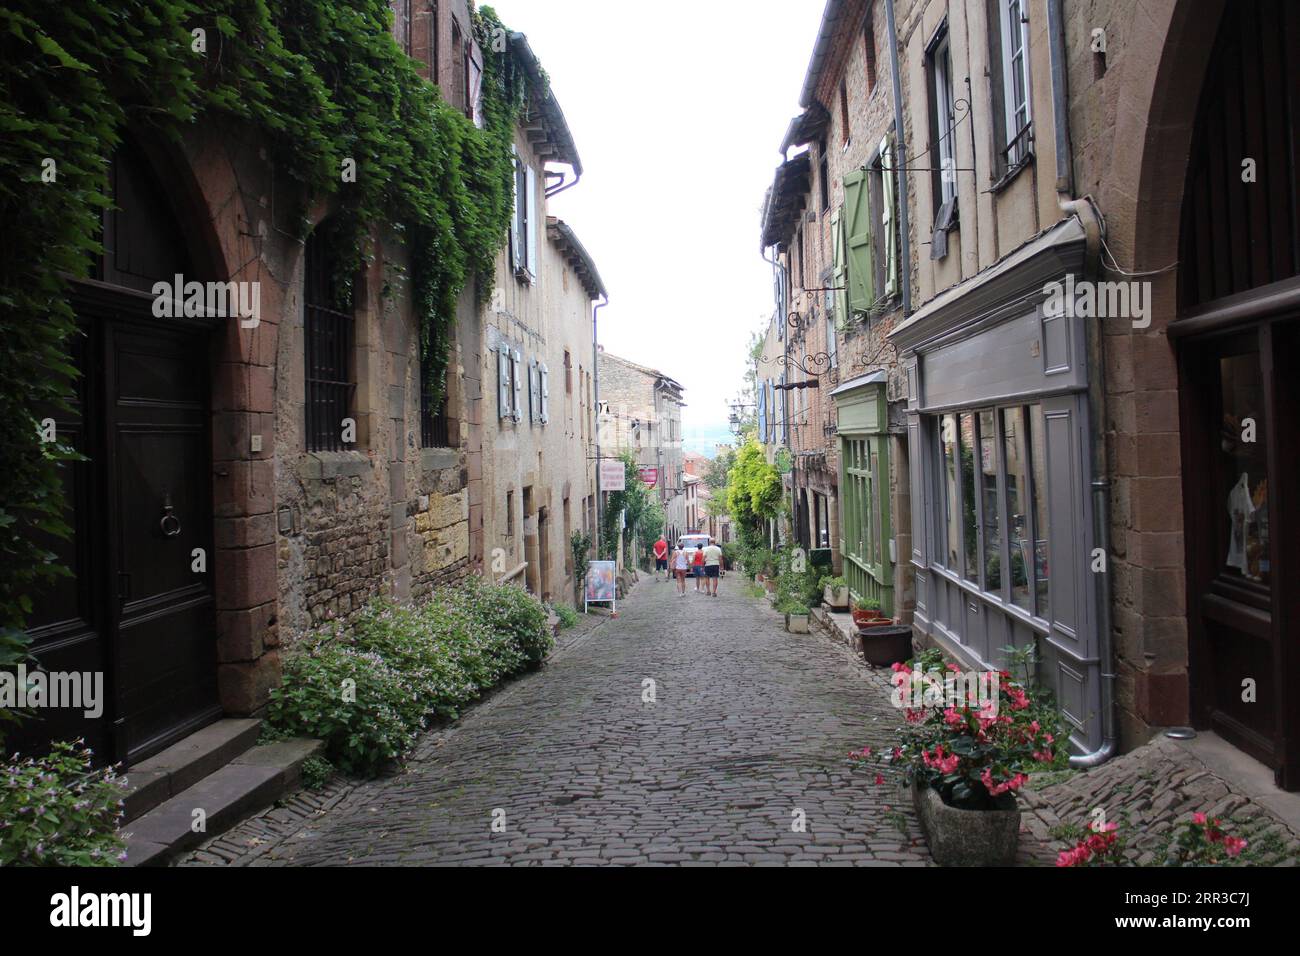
pixel 840 267
pixel 857 232
pixel 887 212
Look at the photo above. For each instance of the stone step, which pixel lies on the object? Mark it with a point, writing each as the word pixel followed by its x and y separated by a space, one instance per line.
pixel 251 781
pixel 186 762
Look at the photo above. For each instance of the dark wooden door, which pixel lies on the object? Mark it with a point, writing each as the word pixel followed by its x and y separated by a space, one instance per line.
pixel 1240 419
pixel 159 561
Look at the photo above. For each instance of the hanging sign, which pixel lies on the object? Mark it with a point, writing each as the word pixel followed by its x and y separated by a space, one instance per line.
pixel 612 475
pixel 649 474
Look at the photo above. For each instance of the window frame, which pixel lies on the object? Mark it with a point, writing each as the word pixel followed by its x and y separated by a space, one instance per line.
pixel 331 352
pixel 943 126
pixel 1015 133
pixel 1032 499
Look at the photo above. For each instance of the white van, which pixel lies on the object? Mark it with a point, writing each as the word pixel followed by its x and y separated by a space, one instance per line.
pixel 690 543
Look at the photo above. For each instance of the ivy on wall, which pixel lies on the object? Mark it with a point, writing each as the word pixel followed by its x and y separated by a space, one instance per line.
pixel 322 81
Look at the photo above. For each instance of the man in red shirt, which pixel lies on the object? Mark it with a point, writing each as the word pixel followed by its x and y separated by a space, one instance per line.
pixel 661 558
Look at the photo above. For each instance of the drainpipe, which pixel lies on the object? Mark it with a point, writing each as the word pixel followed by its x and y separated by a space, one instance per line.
pixel 1086 212
pixel 900 168
pixel 556 190
pixel 595 398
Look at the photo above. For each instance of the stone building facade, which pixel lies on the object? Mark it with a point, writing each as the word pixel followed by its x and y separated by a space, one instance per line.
pixel 271 475
pixel 831 221
pixel 641 413
pixel 1098 274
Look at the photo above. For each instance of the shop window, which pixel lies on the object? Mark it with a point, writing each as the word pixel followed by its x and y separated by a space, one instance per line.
pixel 991 514
pixel 1015 454
pixel 1038 457
pixel 952 511
pixel 969 524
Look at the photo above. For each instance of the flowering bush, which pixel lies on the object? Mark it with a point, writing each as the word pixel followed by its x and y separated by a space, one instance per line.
pixel 1100 847
pixel 976 750
pixel 1200 842
pixel 367 690
pixel 58 811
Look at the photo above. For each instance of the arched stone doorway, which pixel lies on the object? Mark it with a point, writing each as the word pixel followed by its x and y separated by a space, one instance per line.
pixel 1208 635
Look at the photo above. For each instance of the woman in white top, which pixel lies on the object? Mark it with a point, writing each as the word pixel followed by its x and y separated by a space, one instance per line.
pixel 678 565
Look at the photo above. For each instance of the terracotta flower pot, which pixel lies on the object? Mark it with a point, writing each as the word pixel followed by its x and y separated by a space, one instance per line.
pixel 861 617
pixel 960 837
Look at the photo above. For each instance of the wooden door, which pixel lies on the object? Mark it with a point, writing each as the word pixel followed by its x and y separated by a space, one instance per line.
pixel 159 560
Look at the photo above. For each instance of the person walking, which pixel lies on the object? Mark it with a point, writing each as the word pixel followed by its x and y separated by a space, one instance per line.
pixel 697 569
pixel 712 567
pixel 679 569
pixel 661 558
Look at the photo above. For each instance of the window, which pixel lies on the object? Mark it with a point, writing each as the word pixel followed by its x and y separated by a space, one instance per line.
pixel 523 225
pixel 509 385
pixel 883 203
pixel 1015 452
pixel 404 24
pixel 989 507
pixel 824 176
pixel 474 83
pixel 869 46
pixel 510 514
pixel 435 425
pixel 996 509
pixel 459 73
pixel 1012 39
pixel 433 42
pixel 942 122
pixel 844 111
pixel 539 393
pixel 327 335
pixel 568 373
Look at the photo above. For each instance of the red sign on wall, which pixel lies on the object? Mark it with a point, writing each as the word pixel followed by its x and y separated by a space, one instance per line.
pixel 649 474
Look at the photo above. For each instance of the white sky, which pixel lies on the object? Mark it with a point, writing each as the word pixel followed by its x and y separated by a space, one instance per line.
pixel 678 109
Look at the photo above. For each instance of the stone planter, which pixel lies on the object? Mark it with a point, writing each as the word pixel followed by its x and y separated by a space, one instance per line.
pixel 836 598
pixel 796 623
pixel 885 643
pixel 967 837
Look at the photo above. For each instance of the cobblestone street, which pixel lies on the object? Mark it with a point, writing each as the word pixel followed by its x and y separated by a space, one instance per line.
pixel 749 724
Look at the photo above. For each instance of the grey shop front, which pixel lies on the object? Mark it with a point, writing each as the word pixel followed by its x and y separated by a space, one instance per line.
pixel 999 443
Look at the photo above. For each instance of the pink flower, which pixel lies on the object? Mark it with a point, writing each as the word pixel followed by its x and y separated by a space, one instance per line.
pixel 1198 818
pixel 1018 699
pixel 994 790
pixel 879 779
pixel 1234 845
pixel 952 718
pixel 899 667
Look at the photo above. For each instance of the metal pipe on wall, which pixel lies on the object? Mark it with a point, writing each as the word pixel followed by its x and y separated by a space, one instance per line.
pixel 900 167
pixel 1092 223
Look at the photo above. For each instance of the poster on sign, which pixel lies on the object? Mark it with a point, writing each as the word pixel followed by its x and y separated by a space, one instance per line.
pixel 649 475
pixel 601 584
pixel 612 475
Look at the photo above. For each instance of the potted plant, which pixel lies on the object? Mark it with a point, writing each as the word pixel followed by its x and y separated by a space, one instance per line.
pixel 965 751
pixel 884 643
pixel 836 593
pixel 866 609
pixel 796 615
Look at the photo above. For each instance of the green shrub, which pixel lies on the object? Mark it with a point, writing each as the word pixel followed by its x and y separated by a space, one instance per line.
pixel 567 615
pixel 368 689
pixel 366 710
pixel 791 606
pixel 57 811
pixel 316 772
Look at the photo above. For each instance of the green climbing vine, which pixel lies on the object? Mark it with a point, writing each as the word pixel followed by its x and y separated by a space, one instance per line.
pixel 319 81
